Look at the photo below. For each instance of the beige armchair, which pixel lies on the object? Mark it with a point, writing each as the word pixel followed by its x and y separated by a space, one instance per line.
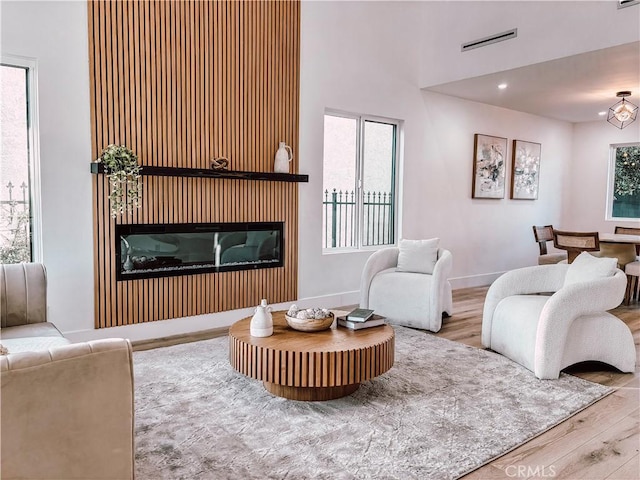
pixel 67 409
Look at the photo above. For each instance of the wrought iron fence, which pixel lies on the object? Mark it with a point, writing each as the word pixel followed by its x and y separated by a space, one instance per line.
pixel 340 223
pixel 15 228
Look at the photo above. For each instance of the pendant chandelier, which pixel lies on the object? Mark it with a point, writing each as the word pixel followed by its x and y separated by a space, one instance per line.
pixel 622 113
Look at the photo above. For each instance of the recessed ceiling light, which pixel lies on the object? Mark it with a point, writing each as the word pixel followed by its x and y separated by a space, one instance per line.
pixel 502 86
pixel 602 114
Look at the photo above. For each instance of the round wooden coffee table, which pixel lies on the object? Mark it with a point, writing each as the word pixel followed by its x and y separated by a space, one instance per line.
pixel 311 366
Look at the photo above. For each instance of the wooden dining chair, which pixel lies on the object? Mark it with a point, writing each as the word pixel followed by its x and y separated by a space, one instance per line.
pixel 543 235
pixel 632 269
pixel 629 231
pixel 576 242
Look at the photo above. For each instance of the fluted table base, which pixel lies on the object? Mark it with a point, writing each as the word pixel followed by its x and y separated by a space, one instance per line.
pixel 310 394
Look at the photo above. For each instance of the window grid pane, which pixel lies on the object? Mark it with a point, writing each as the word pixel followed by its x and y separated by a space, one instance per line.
pixel 339 216
pixel 15 192
pixel 377 183
pixel 626 184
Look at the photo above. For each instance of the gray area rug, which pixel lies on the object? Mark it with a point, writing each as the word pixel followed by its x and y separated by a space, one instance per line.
pixel 443 410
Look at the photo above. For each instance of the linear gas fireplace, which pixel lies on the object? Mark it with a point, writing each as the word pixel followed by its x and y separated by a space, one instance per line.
pixel 151 250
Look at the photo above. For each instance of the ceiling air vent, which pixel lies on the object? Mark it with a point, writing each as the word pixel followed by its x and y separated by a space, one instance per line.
pixel 483 42
pixel 627 3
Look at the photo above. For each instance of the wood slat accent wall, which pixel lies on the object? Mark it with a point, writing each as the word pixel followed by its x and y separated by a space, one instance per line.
pixel 182 82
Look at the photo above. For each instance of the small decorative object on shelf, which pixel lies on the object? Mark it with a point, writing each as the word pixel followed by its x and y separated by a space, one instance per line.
pixel 283 156
pixel 310 319
pixel 262 322
pixel 220 163
pixel 122 169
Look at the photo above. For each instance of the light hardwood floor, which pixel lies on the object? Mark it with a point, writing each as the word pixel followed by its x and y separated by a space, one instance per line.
pixel 601 442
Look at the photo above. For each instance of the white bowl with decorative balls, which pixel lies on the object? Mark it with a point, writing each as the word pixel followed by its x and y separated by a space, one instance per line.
pixel 309 319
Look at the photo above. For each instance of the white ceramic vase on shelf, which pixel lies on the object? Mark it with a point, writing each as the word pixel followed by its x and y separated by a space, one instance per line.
pixel 262 321
pixel 283 157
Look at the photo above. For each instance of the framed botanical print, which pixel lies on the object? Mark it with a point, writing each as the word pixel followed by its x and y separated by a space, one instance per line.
pixel 525 170
pixel 489 166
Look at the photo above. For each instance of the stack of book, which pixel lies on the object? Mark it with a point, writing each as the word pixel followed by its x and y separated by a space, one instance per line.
pixel 361 318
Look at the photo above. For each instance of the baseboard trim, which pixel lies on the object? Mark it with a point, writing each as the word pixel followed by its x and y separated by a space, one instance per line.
pixel 169 332
pixel 141 345
pixel 480 280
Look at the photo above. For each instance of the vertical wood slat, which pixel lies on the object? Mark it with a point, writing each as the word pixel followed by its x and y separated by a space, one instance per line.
pixel 180 83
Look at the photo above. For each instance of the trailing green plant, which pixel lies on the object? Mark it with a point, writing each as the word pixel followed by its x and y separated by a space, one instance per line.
pixel 122 170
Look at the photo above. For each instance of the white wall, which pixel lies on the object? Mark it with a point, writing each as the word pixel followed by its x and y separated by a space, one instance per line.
pixel 371 67
pixel 587 199
pixel 358 56
pixel 485 236
pixel 546 30
pixel 55 34
pixel 358 66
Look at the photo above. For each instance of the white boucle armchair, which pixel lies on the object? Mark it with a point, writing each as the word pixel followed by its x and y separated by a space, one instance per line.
pixel 415 300
pixel 565 324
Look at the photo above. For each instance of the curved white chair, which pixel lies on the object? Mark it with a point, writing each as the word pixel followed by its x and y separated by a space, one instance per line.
pixel 567 325
pixel 411 299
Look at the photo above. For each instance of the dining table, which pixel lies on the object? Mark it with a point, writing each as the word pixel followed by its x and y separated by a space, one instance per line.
pixel 619 245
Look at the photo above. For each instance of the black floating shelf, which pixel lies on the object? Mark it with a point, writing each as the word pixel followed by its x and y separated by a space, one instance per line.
pixel 98 167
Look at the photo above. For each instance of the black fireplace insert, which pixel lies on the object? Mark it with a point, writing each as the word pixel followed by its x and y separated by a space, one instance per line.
pixel 163 250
